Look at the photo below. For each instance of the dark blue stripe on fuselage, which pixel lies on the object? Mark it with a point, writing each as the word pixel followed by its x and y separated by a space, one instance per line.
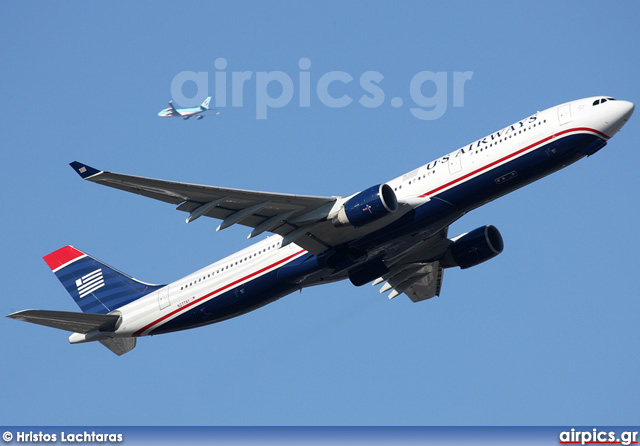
pixel 519 172
pixel 239 300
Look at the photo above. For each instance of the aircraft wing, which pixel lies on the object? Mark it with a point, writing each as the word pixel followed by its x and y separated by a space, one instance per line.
pixel 174 112
pixel 291 216
pixel 302 219
pixel 411 274
pixel 419 281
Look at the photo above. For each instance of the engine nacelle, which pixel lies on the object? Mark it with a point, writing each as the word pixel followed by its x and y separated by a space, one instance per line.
pixel 474 247
pixel 367 206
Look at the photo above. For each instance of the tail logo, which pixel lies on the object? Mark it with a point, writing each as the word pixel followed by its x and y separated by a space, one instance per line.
pixel 89 283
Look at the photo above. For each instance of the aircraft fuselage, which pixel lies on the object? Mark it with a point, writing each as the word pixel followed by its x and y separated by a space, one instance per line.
pixel 455 184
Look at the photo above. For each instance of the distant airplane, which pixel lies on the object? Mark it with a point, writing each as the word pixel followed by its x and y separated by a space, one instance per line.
pixel 185 113
pixel 394 234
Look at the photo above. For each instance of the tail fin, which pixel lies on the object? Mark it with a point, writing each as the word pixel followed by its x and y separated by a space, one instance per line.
pixel 205 104
pixel 95 286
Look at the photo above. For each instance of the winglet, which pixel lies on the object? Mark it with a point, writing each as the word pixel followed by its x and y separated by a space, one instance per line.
pixel 83 170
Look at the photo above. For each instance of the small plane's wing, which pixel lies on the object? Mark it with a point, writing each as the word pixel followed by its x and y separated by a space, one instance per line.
pixel 67 320
pixel 174 111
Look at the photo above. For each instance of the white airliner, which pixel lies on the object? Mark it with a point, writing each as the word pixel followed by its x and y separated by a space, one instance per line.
pixel 392 234
pixel 186 113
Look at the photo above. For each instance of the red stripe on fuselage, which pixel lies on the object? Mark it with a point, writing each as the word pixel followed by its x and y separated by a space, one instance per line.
pixel 200 299
pixel 516 153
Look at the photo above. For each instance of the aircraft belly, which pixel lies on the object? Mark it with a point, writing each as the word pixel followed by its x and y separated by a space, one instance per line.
pixel 418 225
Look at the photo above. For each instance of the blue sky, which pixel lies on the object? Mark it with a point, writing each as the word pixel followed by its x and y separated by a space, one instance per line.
pixel 546 333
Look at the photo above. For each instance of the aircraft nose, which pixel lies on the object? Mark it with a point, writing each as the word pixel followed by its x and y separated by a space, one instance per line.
pixel 617 117
pixel 624 110
pixel 627 110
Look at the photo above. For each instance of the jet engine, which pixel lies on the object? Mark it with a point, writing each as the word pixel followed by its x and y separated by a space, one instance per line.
pixel 474 247
pixel 367 206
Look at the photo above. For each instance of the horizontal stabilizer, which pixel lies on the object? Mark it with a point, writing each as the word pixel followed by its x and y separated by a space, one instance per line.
pixel 68 320
pixel 119 346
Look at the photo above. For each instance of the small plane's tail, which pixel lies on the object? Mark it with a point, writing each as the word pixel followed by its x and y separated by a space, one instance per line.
pixel 205 104
pixel 95 286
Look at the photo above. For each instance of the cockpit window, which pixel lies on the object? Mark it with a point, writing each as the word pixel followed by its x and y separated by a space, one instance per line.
pixel 602 101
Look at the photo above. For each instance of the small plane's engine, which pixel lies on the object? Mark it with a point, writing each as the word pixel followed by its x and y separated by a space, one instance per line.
pixel 367 206
pixel 474 247
pixel 200 117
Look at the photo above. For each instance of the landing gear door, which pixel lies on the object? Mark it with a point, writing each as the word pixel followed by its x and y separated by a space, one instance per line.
pixel 163 298
pixel 564 114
